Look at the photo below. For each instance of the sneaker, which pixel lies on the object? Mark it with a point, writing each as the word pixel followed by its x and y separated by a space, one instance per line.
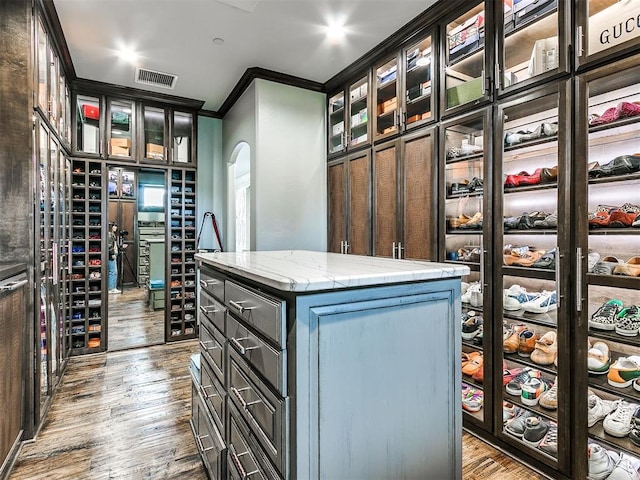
pixel 471 324
pixel 592 259
pixel 618 422
pixel 510 373
pixel 527 342
pixel 599 408
pixel 624 371
pixel 472 399
pixel 549 443
pixel 550 221
pixel 473 287
pixel 114 290
pixel 512 338
pixel 542 303
pixel 473 365
pixel 478 339
pixel 606 265
pixel 601 461
pixel 531 391
pixel 517 425
pixel 549 399
pixel 628 322
pixel 598 358
pixel 509 411
pixel 624 470
pixel 606 317
pixel 514 297
pixel 546 349
pixel 514 387
pixel 534 431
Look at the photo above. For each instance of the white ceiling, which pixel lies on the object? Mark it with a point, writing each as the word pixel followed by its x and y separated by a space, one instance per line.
pixel 176 37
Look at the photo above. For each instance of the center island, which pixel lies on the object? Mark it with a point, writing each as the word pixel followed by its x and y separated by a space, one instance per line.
pixel 318 365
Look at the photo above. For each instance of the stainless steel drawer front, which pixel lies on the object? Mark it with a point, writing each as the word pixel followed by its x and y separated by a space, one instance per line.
pixel 212 283
pixel 262 410
pixel 264 313
pixel 241 458
pixel 213 394
pixel 212 311
pixel 212 349
pixel 264 358
pixel 210 443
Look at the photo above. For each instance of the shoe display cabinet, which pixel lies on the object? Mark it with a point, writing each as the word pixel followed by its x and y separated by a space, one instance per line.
pixel 608 176
pixel 88 270
pixel 182 286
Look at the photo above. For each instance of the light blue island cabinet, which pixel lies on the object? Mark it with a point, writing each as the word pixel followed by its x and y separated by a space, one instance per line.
pixel 325 366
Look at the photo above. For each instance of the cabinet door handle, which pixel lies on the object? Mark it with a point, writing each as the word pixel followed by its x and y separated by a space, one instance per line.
pixel 393 250
pixel 199 439
pixel 11 286
pixel 580 40
pixel 484 82
pixel 54 255
pixel 207 309
pixel 578 279
pixel 203 345
pixel 243 350
pixel 558 258
pixel 238 306
pixel 243 402
pixel 203 390
pixel 346 247
pixel 235 457
pixel 498 78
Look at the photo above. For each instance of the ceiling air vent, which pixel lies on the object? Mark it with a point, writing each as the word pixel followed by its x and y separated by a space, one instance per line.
pixel 155 79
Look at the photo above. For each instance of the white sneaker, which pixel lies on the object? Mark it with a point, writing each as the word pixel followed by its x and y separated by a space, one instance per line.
pixel 601 462
pixel 510 298
pixel 114 290
pixel 624 470
pixel 599 408
pixel 543 303
pixel 598 358
pixel 618 422
pixel 472 291
pixel 592 259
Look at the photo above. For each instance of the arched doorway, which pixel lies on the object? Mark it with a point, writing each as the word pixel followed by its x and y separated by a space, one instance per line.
pixel 239 198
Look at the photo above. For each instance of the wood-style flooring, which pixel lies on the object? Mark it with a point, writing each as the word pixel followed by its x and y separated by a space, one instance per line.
pixel 132 323
pixel 125 415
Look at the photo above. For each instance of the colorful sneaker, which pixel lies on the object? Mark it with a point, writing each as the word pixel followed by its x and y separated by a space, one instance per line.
pixel 549 399
pixel 517 425
pixel 624 371
pixel 514 297
pixel 534 431
pixel 526 342
pixel 599 408
pixel 618 422
pixel 472 399
pixel 549 443
pixel 606 316
pixel 598 358
pixel 543 303
pixel 509 374
pixel 601 461
pixel 531 391
pixel 514 387
pixel 628 322
pixel 471 324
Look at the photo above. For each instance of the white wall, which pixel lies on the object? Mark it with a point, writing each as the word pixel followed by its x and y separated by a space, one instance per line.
pixel 210 186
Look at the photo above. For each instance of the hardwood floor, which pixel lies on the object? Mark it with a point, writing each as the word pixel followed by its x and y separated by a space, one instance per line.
pixel 125 415
pixel 131 322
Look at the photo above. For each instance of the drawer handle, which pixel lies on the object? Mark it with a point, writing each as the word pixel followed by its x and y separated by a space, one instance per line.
pixel 236 460
pixel 203 390
pixel 201 446
pixel 208 283
pixel 243 402
pixel 239 346
pixel 207 309
pixel 238 306
pixel 203 345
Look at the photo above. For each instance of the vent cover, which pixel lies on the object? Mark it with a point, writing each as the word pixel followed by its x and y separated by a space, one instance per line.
pixel 155 79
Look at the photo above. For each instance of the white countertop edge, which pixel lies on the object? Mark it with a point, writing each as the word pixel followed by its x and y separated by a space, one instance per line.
pixel 303 271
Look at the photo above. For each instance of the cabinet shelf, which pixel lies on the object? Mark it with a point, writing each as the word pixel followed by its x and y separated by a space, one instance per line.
pixel 597 432
pixel 463 195
pixel 515 360
pixel 616 124
pixel 337 112
pixel 615 179
pixel 541 31
pixel 465 158
pixel 532 143
pixel 532 231
pixel 530 188
pixel 614 231
pixel 529 272
pixel 619 281
pixel 612 336
pixel 421 98
pixel 543 319
pixel 474 55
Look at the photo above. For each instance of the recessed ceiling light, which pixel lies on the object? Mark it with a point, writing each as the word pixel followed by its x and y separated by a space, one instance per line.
pixel 218 41
pixel 335 32
pixel 128 54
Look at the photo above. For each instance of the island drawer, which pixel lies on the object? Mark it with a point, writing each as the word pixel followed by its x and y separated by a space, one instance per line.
pixel 270 363
pixel 212 282
pixel 209 441
pixel 213 394
pixel 212 348
pixel 212 312
pixel 262 312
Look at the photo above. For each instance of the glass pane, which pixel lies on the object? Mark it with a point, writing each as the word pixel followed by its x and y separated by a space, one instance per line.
pixel 530 239
pixel 128 184
pixel 358 109
pixel 43 69
pixel 531 40
pixel 336 123
pixel 464 73
pixel 62 105
pixel 120 143
pixel 154 133
pixel 67 130
pixel 418 82
pixel 45 269
pixel 613 201
pixel 387 98
pixel 612 23
pixel 53 87
pixel 88 127
pixel 182 136
pixel 55 238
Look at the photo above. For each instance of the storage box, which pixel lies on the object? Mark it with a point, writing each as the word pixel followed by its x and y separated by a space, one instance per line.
pixel 465 92
pixel 121 142
pixel 525 11
pixel 90 112
pixel 466 38
pixel 618 17
pixel 155 151
pixel 388 106
pixel 544 56
pixel 338 128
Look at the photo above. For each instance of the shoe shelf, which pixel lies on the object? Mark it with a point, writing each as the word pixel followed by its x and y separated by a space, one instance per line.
pixel 632 178
pixel 529 272
pixel 87 270
pixel 475 267
pixel 618 124
pixel 620 281
pixel 182 248
pixel 535 231
pixel 463 195
pixel 617 443
pixel 530 188
pixel 465 158
pixel 549 319
pixel 516 361
pixel 537 143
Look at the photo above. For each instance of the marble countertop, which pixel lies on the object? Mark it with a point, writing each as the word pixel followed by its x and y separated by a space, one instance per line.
pixel 303 271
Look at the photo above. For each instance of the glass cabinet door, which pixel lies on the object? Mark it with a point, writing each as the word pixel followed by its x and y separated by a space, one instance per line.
pixel 606 27
pixel 465 234
pixel 610 169
pixel 53 87
pixel 43 68
pixel 182 134
pixel 154 128
pixel 386 99
pixel 532 41
pixel 359 113
pixel 336 116
pixel 121 127
pixel 465 76
pixel 418 91
pixel 535 331
pixel 62 106
pixel 88 125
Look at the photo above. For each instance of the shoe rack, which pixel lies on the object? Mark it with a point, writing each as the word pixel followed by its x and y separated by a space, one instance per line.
pixel 85 325
pixel 182 247
pixel 608 177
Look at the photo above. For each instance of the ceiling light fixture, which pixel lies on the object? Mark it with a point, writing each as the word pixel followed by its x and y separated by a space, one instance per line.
pixel 335 32
pixel 128 55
